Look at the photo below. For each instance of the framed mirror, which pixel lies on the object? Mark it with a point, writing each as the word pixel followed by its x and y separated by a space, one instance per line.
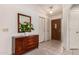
pixel 24 23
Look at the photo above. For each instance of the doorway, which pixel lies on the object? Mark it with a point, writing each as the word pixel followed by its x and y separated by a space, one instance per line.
pixel 56 29
pixel 42 29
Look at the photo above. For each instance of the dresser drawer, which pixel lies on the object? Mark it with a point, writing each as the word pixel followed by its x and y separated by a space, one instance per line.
pixel 30 47
pixel 24 44
pixel 32 40
pixel 29 43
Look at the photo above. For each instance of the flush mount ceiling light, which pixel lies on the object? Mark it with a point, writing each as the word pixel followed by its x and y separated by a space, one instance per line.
pixel 51 10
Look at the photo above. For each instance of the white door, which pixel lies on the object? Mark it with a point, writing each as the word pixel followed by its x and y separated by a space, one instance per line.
pixel 41 29
pixel 74 30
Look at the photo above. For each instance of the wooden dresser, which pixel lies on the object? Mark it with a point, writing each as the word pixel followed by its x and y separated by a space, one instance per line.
pixel 21 45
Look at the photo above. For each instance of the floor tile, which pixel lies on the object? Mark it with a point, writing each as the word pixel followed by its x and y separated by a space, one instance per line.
pixel 69 52
pixel 75 52
pixel 52 47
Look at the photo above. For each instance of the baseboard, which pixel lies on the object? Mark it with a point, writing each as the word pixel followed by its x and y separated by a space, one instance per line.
pixel 44 41
pixel 64 48
pixel 74 49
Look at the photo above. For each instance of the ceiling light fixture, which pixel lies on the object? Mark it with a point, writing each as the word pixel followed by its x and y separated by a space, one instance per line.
pixel 51 10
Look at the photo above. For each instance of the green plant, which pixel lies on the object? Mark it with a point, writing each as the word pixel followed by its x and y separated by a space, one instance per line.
pixel 26 27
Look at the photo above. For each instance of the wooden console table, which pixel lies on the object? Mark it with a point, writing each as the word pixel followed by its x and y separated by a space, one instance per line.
pixel 21 45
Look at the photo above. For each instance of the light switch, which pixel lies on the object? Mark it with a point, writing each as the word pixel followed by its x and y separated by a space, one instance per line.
pixel 5 30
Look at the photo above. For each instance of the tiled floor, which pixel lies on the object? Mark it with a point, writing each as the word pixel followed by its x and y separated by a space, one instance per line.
pixel 51 47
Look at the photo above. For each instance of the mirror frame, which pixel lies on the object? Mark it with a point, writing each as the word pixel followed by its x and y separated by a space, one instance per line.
pixel 19 14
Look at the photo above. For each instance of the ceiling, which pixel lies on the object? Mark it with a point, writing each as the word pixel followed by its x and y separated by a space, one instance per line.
pixel 45 8
pixel 57 8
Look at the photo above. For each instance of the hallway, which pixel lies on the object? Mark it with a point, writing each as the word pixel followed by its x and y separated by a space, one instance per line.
pixel 52 47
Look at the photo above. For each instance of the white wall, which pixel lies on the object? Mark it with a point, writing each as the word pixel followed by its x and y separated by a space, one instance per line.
pixel 8 24
pixel 57 16
pixel 65 26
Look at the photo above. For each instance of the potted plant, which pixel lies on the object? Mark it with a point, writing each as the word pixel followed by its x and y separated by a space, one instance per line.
pixel 26 27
